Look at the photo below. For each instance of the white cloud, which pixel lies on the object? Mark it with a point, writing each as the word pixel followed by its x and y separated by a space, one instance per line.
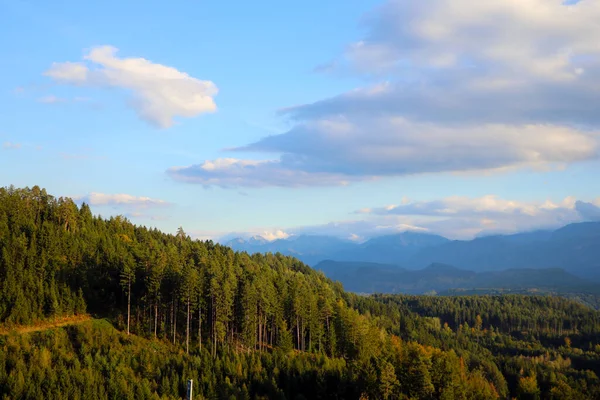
pixel 361 229
pixel 532 38
pixel 11 146
pixel 452 217
pixel 124 200
pixel 493 86
pixel 355 238
pixel 69 72
pixel 461 206
pixel 159 93
pixel 274 235
pixel 133 207
pixel 353 230
pixel 464 217
pixel 268 234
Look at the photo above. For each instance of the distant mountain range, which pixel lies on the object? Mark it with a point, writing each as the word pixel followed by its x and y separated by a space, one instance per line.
pixel 312 249
pixel 308 248
pixel 574 248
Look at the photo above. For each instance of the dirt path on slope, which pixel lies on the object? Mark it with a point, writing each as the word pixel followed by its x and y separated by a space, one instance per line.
pixel 42 326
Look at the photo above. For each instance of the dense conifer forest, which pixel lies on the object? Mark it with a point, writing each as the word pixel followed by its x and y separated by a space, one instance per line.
pixel 167 308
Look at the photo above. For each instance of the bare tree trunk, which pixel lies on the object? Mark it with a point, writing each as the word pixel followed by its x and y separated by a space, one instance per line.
pixel 174 322
pixel 320 336
pixel 214 349
pixel 272 330
pixel 297 332
pixel 155 319
pixel 265 336
pixel 259 333
pixel 213 327
pixel 303 336
pixel 128 302
pixel 200 328
pixel 187 331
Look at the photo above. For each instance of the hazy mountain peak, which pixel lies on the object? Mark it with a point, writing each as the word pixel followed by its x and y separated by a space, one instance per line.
pixel 441 267
pixel 408 238
pixel 256 239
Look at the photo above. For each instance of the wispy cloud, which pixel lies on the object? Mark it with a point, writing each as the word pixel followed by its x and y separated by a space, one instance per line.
pixel 231 172
pixel 51 99
pixel 81 156
pixel 326 67
pixel 160 93
pixel 11 146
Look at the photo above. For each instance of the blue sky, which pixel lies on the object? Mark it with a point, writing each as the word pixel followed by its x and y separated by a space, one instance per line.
pixel 350 118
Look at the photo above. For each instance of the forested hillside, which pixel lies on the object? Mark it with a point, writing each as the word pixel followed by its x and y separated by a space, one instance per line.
pixel 361 277
pixel 545 347
pixel 251 326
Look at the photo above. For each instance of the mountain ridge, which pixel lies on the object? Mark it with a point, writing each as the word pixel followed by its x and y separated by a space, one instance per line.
pixel 573 247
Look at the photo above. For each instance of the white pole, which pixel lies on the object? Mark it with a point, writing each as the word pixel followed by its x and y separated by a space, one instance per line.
pixel 190 389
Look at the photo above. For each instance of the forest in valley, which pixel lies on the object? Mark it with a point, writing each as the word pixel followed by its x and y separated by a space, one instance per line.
pixel 166 309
